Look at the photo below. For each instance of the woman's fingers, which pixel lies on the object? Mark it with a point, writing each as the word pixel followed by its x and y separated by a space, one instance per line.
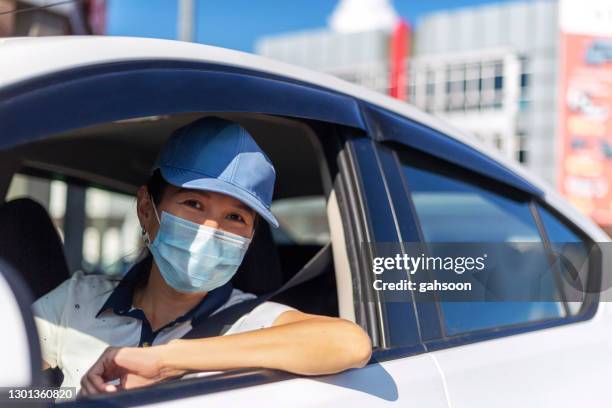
pixel 110 366
pixel 93 382
pixel 111 388
pixel 87 388
pixel 91 385
pixel 95 379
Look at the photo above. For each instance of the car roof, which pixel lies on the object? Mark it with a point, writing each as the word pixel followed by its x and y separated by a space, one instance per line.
pixel 33 58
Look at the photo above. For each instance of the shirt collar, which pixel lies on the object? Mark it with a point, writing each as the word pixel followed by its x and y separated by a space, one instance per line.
pixel 120 300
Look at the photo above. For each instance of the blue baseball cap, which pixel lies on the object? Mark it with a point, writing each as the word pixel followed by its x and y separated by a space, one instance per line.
pixel 215 154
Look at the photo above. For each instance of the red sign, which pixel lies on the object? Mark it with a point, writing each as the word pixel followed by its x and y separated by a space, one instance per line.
pixel 586 124
pixel 400 49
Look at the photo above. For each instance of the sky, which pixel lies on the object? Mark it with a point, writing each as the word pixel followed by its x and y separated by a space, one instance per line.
pixel 237 24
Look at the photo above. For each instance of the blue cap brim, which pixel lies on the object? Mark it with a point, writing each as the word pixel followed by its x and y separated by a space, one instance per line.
pixel 188 179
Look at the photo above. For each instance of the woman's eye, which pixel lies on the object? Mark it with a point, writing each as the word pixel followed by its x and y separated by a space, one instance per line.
pixel 193 204
pixel 236 217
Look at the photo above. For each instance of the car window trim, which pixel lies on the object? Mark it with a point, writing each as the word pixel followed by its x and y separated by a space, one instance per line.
pixel 386 126
pixel 429 314
pixel 180 388
pixel 549 253
pixel 446 341
pixel 357 229
pixel 145 85
pixel 383 229
pixel 591 302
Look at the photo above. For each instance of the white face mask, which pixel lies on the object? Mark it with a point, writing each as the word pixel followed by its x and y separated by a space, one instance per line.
pixel 193 257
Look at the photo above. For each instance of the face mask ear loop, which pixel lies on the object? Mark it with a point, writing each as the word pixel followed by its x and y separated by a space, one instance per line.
pixel 154 209
pixel 145 234
pixel 251 237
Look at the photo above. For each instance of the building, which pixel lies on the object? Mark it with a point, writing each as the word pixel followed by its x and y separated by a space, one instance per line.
pixel 491 70
pixel 359 57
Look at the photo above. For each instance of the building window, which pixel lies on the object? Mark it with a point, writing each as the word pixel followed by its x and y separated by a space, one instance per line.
pixel 473 85
pixel 411 92
pixel 499 76
pixel 498 141
pixel 431 83
pixel 499 82
pixel 430 91
pixel 525 80
pixel 521 151
pixel 458 86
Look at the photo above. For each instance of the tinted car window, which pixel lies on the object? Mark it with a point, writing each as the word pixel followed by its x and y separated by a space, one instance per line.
pixel 453 206
pixel 454 210
pixel 574 249
pixel 556 230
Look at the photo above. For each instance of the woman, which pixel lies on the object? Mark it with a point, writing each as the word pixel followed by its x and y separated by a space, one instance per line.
pixel 210 187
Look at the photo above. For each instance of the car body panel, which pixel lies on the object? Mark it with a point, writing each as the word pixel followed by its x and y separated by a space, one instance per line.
pixel 142 89
pixel 13 348
pixel 413 381
pixel 560 367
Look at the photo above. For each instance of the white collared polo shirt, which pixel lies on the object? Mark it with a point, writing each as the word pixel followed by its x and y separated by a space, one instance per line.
pixel 86 314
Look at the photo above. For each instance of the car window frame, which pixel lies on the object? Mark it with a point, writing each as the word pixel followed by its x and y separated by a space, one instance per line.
pixel 476 181
pixel 432 323
pixel 349 190
pixel 380 221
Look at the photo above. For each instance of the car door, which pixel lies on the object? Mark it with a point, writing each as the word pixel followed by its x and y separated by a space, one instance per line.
pixel 19 350
pixel 400 371
pixel 496 353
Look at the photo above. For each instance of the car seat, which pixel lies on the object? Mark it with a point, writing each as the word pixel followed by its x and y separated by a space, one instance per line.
pixel 31 244
pixel 260 271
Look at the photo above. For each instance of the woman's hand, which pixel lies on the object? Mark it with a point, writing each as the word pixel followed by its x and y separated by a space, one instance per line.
pixel 132 366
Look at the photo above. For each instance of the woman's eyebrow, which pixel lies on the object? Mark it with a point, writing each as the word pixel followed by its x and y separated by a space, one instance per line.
pixel 244 207
pixel 190 190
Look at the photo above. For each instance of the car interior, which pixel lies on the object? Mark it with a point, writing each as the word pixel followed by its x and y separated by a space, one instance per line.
pixel 117 157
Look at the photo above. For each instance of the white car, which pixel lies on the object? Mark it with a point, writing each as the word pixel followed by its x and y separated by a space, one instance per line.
pixel 93 111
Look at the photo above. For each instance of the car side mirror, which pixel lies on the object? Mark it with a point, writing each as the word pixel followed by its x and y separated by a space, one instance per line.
pixel 19 347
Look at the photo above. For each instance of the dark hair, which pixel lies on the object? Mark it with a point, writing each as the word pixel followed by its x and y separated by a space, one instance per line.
pixel 156 184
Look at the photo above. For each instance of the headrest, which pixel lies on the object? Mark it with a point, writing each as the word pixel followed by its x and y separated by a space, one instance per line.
pixel 260 271
pixel 30 242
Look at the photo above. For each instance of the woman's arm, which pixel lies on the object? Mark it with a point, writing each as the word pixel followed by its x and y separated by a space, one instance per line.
pixel 297 342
